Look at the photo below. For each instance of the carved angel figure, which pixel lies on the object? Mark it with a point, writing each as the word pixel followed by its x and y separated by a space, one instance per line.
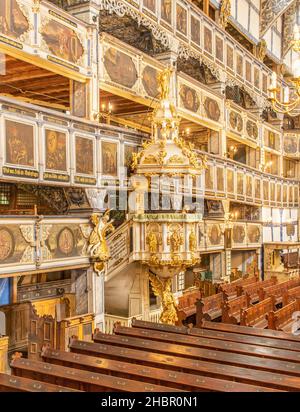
pixel 153 242
pixel 192 242
pixel 98 248
pixel 162 289
pixel 175 241
pixel 164 83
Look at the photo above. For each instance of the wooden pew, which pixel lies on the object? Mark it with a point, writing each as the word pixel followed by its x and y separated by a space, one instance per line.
pixel 290 295
pixel 263 377
pixel 230 289
pixel 186 305
pixel 221 335
pixel 79 379
pixel 209 308
pixel 158 376
pixel 268 333
pixel 278 290
pixel 231 309
pixel 282 319
pixel 253 289
pixel 10 383
pixel 255 316
pixel 136 336
pixel 228 352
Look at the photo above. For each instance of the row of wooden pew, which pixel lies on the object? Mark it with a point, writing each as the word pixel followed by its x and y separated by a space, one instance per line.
pixel 247 302
pixel 152 357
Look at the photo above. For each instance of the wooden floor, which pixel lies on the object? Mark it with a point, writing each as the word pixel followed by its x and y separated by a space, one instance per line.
pixel 151 357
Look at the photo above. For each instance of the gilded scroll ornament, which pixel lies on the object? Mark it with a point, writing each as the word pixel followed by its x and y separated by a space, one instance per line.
pixel 98 248
pixel 28 233
pixel 162 289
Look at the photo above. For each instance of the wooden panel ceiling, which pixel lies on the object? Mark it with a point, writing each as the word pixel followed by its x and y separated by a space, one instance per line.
pixel 24 80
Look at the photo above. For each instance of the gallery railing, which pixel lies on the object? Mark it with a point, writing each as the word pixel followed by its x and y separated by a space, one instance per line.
pixel 50 35
pixel 199 37
pixel 45 146
pixel 38 243
pixel 57 39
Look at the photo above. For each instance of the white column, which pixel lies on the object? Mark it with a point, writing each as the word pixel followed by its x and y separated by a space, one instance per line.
pixel 96 297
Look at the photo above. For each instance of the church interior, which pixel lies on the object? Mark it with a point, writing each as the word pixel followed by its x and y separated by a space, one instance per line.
pixel 149 196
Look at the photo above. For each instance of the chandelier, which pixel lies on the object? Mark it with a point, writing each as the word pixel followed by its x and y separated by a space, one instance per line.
pixel 287 105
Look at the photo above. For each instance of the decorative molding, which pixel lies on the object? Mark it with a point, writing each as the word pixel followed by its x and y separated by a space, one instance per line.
pixel 270 11
pixel 121 10
pixel 290 19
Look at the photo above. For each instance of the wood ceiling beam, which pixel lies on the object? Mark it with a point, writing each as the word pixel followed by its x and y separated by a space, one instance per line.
pixel 25 76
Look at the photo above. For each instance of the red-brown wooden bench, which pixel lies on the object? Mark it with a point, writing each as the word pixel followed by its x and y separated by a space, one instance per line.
pixel 209 308
pixel 255 315
pixel 231 309
pixel 283 319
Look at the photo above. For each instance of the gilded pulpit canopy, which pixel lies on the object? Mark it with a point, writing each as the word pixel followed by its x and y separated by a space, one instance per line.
pixel 169 242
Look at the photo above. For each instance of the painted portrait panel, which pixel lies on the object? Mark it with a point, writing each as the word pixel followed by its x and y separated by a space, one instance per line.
pixel 256 77
pixel 219 48
pixel 266 190
pixel 272 189
pixel 240 183
pixel 208 40
pixel 181 19
pixel 56 150
pixel 290 144
pixel 150 82
pixel 296 194
pixel 62 41
pixel 230 181
pixel 189 98
pixel 248 71
pixel 166 10
pixel 278 193
pixel 252 129
pixel 19 143
pixel 79 99
pixel 230 57
pixel 109 159
pixel 265 83
pixel 238 234
pixel 84 150
pixel 236 121
pixel 195 30
pixel 120 67
pixel 215 235
pixel 284 194
pixel 257 189
pixel 220 179
pixel 13 246
pixel 209 178
pixel 212 109
pixel 239 65
pixel 253 234
pixel 249 186
pixel 151 5
pixel 291 194
pixel 13 22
